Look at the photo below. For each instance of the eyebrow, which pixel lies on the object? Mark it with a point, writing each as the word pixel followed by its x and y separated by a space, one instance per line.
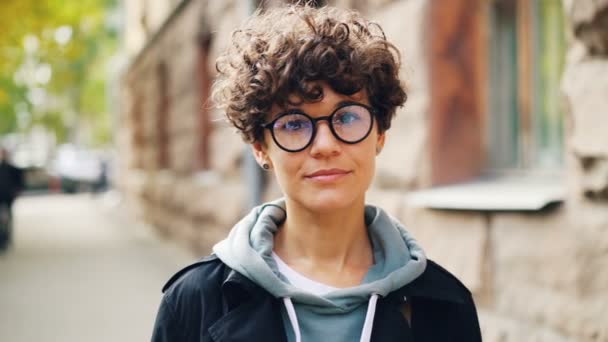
pixel 338 105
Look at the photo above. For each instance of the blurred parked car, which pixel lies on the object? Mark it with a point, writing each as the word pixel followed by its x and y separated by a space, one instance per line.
pixel 78 169
pixel 39 179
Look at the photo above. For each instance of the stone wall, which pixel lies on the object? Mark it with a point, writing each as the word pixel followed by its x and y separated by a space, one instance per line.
pixel 403 163
pixel 541 276
pixel 536 276
pixel 184 201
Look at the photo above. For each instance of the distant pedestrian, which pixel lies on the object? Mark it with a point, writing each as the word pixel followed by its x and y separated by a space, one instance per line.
pixel 11 184
pixel 101 184
pixel 314 90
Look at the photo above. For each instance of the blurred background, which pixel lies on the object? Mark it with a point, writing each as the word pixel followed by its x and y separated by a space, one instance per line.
pixel 123 171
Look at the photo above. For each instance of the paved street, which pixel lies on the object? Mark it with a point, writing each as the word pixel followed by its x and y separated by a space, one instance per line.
pixel 81 270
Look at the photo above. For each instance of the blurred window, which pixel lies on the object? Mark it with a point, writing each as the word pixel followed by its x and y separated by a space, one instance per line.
pixel 163 120
pixel 138 137
pixel 204 80
pixel 526 59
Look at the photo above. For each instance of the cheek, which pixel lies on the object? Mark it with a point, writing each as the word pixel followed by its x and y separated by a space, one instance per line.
pixel 369 164
pixel 286 168
pixel 366 158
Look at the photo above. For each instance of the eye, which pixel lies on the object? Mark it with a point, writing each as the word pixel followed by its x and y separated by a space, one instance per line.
pixel 293 124
pixel 346 118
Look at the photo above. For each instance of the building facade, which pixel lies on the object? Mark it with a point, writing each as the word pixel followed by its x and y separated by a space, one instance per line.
pixel 498 162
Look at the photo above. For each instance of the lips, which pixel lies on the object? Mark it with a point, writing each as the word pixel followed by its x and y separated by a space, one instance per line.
pixel 326 175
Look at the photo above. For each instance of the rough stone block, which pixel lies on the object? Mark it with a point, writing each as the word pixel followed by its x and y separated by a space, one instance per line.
pixel 401 163
pixel 589 18
pixel 375 5
pixel 164 187
pixel 183 75
pixel 183 231
pixel 147 192
pixel 389 201
pixel 223 18
pixel 183 154
pixel 208 235
pixel 582 11
pixel 403 23
pixel 455 240
pixel 592 254
pixel 227 150
pixel 201 202
pixel 528 247
pixel 134 182
pixel 216 200
pixel 589 141
pixel 184 115
pixel 183 193
pixel 496 328
pixel 149 156
pixel 586 319
pixel 228 203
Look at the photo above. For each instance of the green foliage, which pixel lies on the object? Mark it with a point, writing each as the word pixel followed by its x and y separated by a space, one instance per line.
pixel 76 88
pixel 54 121
pixel 9 95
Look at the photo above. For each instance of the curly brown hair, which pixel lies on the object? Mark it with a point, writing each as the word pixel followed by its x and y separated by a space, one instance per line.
pixel 287 50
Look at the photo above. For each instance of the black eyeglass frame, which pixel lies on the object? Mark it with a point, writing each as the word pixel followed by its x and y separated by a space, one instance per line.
pixel 328 118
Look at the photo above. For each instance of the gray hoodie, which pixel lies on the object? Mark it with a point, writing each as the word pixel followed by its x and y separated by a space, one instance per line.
pixel 339 315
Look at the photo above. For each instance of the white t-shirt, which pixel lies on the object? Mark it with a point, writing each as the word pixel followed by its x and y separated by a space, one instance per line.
pixel 300 281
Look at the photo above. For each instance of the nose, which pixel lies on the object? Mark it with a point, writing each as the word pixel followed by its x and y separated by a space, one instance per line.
pixel 324 142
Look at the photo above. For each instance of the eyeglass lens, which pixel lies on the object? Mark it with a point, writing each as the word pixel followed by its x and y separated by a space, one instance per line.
pixel 295 131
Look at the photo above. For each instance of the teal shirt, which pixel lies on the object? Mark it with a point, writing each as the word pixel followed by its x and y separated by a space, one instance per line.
pixel 334 327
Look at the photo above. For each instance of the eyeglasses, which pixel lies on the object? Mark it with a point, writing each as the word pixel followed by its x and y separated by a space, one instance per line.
pixel 294 130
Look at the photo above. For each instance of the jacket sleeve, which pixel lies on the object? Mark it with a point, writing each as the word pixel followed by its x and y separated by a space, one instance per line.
pixel 167 327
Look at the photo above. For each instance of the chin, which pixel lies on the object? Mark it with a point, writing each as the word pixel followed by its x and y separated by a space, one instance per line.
pixel 328 201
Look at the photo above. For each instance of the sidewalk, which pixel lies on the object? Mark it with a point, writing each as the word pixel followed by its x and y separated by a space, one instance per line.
pixel 81 270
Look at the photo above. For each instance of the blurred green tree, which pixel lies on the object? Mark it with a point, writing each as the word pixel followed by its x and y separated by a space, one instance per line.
pixel 54 65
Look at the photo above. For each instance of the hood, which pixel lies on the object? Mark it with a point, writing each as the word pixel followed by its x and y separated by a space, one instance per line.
pixel 398 259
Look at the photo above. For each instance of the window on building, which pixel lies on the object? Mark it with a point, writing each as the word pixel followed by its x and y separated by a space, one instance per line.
pixel 137 137
pixel 204 80
pixel 526 52
pixel 494 77
pixel 162 122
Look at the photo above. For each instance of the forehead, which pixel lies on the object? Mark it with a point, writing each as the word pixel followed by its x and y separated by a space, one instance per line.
pixel 326 103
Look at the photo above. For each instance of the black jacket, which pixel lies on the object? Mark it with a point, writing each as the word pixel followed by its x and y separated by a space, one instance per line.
pixel 11 182
pixel 208 301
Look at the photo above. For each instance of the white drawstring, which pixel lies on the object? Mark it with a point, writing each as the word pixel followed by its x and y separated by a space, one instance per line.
pixel 366 333
pixel 291 312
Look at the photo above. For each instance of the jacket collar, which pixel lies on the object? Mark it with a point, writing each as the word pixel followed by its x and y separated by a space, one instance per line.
pixel 434 283
pixel 251 314
pixel 257 319
pixel 238 288
pixel 234 281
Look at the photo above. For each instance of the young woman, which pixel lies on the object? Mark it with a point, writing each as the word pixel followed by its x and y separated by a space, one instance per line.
pixel 314 91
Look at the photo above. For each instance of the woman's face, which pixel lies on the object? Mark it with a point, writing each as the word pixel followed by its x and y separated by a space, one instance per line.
pixel 328 174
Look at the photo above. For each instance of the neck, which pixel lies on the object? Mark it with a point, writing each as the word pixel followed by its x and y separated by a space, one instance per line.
pixel 337 240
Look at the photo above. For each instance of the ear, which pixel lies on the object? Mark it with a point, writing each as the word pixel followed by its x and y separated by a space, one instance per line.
pixel 259 152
